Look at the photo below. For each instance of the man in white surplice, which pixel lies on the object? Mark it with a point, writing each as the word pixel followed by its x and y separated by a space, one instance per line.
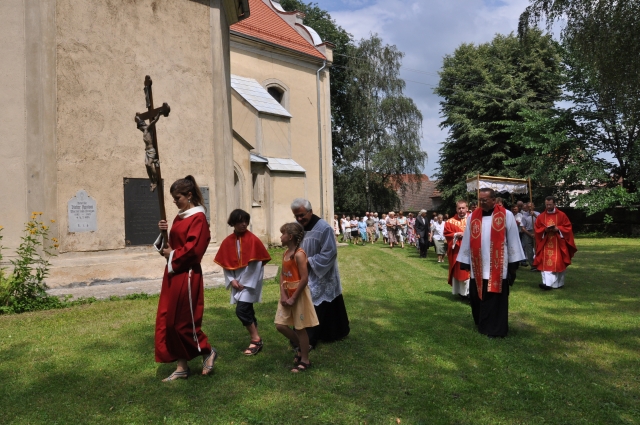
pixel 324 277
pixel 490 303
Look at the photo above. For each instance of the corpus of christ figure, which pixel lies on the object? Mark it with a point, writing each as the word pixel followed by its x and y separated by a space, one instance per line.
pixel 151 156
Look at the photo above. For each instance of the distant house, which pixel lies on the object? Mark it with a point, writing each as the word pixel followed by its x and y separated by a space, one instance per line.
pixel 421 194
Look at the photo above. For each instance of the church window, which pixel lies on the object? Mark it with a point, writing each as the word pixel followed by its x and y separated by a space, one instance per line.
pixel 276 93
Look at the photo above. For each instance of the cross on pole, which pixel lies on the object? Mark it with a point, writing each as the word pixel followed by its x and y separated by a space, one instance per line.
pixel 153 156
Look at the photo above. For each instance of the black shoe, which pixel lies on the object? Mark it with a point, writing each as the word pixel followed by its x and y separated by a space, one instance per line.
pixel 545 287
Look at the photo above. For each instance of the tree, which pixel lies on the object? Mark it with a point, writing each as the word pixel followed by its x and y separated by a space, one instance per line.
pixel 556 156
pixel 483 88
pixel 382 127
pixel 376 130
pixel 603 68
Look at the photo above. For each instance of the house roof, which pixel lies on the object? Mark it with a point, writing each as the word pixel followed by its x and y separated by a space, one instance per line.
pixel 257 96
pixel 266 24
pixel 414 198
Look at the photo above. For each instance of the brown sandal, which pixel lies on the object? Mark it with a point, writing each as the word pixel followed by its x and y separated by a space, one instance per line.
pixel 252 351
pixel 301 367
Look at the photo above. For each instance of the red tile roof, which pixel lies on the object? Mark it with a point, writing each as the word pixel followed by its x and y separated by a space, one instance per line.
pixel 414 199
pixel 266 24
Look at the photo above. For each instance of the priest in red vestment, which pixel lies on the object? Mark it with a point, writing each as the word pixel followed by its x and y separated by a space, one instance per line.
pixel 453 231
pixel 491 249
pixel 555 246
pixel 178 336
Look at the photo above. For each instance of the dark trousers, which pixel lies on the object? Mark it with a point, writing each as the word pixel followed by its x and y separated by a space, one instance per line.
pixel 246 314
pixel 491 313
pixel 334 322
pixel 423 244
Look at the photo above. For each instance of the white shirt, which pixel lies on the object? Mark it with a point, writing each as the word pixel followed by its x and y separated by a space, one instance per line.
pixel 251 278
pixel 512 248
pixel 438 231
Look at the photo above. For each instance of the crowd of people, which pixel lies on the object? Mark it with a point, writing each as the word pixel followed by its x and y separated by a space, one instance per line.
pixel 541 241
pixel 311 307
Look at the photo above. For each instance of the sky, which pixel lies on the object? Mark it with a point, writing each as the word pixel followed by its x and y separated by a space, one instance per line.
pixel 426 31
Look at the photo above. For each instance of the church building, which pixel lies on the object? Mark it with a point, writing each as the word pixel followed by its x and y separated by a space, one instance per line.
pixel 281 117
pixel 73 78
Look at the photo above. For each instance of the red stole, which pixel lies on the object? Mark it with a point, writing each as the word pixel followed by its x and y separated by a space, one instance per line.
pixel 251 249
pixel 498 234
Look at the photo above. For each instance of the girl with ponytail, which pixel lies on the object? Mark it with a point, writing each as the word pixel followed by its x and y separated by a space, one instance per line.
pixel 178 336
pixel 295 308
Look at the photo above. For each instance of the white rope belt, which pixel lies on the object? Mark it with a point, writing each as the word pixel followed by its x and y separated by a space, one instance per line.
pixel 193 322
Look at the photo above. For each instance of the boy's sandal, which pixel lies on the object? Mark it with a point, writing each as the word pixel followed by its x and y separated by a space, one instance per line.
pixel 206 369
pixel 301 367
pixel 253 348
pixel 178 375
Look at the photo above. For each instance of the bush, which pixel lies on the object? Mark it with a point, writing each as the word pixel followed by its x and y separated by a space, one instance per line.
pixel 24 289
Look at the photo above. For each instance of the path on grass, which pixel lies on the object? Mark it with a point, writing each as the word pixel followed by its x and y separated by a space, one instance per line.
pixel 123 287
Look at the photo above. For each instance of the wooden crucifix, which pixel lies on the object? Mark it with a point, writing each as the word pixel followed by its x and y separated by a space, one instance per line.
pixel 152 155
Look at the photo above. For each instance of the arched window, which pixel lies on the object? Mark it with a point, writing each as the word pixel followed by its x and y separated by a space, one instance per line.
pixel 278 90
pixel 276 93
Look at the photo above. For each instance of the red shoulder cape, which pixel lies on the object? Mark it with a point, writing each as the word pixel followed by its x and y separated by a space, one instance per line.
pixel 251 249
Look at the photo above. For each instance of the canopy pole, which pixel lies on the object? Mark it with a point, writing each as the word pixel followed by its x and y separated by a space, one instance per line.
pixel 530 194
pixel 478 189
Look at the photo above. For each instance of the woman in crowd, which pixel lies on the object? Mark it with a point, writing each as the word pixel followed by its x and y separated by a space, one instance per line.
pixel 411 233
pixel 336 227
pixel 344 221
pixel 347 229
pixel 354 230
pixel 383 229
pixel 402 228
pixel 392 228
pixel 437 236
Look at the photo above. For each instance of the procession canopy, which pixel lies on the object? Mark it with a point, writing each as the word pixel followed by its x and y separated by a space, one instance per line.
pixel 499 184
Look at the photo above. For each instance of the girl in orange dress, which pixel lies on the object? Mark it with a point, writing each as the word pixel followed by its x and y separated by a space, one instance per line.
pixel 295 307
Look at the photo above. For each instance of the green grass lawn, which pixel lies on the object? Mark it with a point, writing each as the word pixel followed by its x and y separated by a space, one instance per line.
pixel 413 356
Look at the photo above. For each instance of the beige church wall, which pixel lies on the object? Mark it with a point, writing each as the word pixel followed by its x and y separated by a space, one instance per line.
pixel 27 127
pixel 104 51
pixel 12 124
pixel 265 64
pixel 276 136
pixel 245 120
pixel 284 188
pixel 242 166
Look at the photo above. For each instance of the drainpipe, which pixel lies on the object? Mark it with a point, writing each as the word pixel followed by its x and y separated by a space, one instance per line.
pixel 324 64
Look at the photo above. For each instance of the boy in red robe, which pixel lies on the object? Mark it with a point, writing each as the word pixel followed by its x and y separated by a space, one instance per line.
pixel 554 245
pixel 243 256
pixel 453 231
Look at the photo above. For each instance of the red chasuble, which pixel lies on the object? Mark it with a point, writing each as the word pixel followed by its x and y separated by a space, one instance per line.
pixel 554 253
pixel 498 235
pixel 174 336
pixel 251 249
pixel 451 227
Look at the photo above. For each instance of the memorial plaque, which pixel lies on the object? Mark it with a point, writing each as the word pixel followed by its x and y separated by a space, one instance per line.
pixel 82 213
pixel 205 199
pixel 141 212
